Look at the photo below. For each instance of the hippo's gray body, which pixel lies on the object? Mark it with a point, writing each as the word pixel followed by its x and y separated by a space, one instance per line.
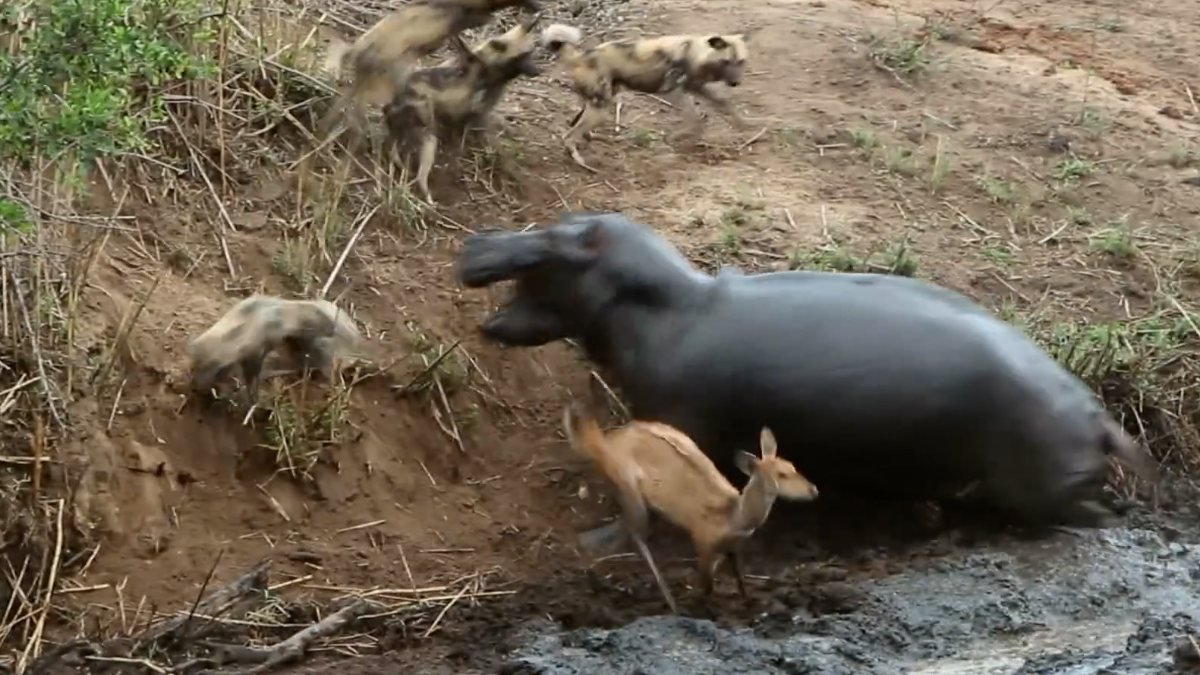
pixel 874 384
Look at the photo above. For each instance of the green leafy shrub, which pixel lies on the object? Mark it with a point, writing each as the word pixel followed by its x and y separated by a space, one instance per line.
pixel 86 77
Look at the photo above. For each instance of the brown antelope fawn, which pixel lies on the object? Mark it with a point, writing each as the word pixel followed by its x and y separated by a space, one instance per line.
pixel 657 466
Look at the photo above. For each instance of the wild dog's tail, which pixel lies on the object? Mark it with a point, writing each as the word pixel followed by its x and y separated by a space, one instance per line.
pixel 1118 443
pixel 562 40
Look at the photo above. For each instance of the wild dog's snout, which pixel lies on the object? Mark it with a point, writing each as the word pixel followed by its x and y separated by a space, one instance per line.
pixel 530 68
pixel 733 74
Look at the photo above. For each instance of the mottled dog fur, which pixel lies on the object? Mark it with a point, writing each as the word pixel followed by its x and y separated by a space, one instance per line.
pixel 314 331
pixel 380 60
pixel 669 65
pixel 448 97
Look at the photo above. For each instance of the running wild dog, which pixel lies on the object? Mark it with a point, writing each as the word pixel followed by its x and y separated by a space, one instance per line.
pixel 656 466
pixel 314 331
pixel 380 60
pixel 448 97
pixel 670 65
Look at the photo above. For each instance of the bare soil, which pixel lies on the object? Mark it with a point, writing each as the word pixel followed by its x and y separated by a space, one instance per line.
pixel 962 162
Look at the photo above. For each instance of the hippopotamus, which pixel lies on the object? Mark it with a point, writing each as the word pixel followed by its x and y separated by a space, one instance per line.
pixel 873 384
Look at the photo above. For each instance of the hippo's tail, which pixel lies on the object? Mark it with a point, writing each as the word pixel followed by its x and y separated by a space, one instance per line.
pixel 1118 443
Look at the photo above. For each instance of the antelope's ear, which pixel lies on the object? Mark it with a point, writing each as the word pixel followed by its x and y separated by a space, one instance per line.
pixel 766 441
pixel 745 462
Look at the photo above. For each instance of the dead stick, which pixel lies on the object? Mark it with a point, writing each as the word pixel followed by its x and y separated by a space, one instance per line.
pixel 252 583
pixel 294 648
pixel 37 353
pixel 35 640
pixel 200 595
pixel 404 389
pixel 346 251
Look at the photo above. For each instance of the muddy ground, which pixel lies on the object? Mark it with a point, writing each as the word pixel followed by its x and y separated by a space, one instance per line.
pixel 1035 156
pixel 958 596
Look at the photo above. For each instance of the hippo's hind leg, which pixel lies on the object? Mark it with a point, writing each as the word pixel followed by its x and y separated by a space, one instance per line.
pixel 1047 501
pixel 1081 506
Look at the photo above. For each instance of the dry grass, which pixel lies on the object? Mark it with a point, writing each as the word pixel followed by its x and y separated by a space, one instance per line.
pixel 259 626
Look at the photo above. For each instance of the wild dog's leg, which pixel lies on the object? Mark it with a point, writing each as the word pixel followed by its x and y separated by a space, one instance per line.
pixel 315 355
pixel 251 372
pixel 429 145
pixel 722 105
pixel 591 117
pixel 693 122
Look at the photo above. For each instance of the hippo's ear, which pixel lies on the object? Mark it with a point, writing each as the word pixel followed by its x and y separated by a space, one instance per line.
pixel 585 244
pixel 745 462
pixel 766 441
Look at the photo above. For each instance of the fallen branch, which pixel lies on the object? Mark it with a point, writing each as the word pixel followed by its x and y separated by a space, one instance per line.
pixel 291 649
pixel 224 600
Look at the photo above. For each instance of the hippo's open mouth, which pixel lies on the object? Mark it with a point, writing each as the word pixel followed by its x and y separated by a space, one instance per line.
pixel 521 322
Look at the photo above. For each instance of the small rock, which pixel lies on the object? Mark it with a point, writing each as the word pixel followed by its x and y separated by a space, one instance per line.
pixel 1171 112
pixel 1058 143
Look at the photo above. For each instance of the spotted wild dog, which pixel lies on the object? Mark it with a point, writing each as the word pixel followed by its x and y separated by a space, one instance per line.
pixel 445 98
pixel 669 65
pixel 512 52
pixel 315 332
pixel 378 62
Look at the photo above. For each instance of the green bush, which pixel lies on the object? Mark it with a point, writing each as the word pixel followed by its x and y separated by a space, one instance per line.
pixel 87 75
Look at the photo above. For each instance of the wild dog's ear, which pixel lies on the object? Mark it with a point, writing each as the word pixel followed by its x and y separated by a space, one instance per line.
pixel 745 462
pixel 528 24
pixel 767 445
pixel 717 42
pixel 461 47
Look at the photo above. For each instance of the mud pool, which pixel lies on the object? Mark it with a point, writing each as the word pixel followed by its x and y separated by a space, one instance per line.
pixel 1106 601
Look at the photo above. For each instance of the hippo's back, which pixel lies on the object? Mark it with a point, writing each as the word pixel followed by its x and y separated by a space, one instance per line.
pixel 865 379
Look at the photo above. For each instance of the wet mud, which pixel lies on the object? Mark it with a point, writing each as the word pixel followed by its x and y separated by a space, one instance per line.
pixel 1123 600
